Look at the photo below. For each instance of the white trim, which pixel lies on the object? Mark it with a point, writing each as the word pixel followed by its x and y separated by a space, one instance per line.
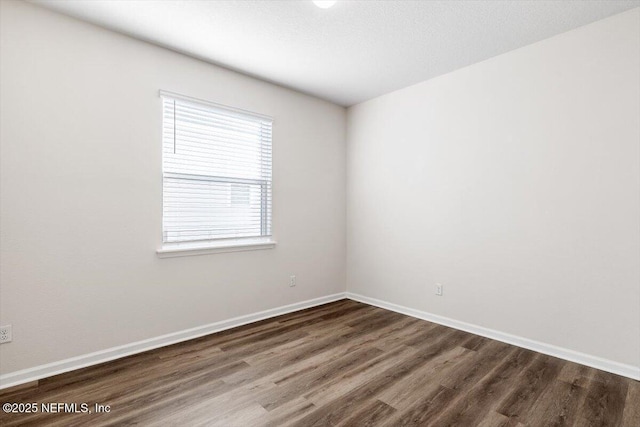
pixel 239 111
pixel 629 371
pixel 43 371
pixel 170 250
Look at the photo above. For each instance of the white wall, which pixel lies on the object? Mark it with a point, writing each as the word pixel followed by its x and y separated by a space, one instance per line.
pixel 514 182
pixel 81 190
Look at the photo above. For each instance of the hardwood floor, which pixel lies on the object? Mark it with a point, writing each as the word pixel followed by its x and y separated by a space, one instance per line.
pixel 341 364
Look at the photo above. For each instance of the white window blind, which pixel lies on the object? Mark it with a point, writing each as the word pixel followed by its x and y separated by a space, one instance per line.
pixel 216 171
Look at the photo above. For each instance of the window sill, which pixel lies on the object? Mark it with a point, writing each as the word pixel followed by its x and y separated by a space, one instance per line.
pixel 170 250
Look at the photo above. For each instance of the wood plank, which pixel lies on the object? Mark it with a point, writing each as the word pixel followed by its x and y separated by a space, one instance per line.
pixel 532 383
pixel 558 406
pixel 337 410
pixel 631 414
pixel 286 414
pixel 605 401
pixel 293 387
pixel 478 366
pixel 573 373
pixel 495 419
pixel 475 404
pixel 371 414
pixel 333 390
pixel 405 393
pixel 423 410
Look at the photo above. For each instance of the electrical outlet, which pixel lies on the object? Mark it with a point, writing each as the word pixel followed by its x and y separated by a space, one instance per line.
pixel 292 281
pixel 5 334
pixel 439 289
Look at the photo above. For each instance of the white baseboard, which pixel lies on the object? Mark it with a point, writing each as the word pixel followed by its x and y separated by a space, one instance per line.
pixel 629 371
pixel 62 366
pixel 43 371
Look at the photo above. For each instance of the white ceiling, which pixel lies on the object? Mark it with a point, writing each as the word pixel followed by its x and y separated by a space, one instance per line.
pixel 349 53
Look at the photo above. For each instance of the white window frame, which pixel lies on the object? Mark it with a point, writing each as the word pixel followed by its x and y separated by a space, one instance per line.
pixel 203 247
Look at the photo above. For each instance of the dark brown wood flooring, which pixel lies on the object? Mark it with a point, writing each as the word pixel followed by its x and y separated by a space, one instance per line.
pixel 340 364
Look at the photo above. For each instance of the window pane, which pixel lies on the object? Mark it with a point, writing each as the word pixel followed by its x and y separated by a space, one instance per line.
pixel 217 173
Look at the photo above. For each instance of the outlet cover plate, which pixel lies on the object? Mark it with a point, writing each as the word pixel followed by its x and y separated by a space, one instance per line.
pixel 5 334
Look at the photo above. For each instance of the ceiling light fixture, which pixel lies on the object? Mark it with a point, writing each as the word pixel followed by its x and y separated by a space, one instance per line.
pixel 324 4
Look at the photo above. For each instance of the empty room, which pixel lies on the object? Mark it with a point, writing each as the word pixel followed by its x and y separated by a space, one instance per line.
pixel 320 213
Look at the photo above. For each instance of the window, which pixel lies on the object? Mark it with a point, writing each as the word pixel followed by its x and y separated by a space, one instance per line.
pixel 216 172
